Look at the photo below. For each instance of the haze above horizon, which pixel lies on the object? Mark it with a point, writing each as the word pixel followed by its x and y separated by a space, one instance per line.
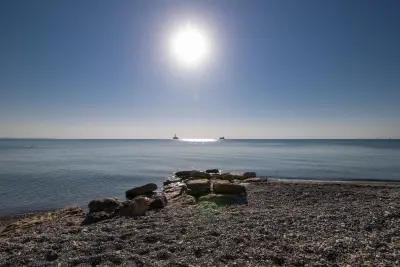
pixel 269 69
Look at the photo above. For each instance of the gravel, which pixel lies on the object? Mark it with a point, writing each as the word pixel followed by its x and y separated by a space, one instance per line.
pixel 283 224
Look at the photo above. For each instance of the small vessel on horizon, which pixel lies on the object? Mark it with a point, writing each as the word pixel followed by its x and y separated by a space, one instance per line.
pixel 175 137
pixel 221 138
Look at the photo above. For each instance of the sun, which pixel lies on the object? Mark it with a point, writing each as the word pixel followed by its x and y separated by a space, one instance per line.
pixel 189 46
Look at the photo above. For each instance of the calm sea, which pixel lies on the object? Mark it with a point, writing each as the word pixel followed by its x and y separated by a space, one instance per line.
pixel 39 175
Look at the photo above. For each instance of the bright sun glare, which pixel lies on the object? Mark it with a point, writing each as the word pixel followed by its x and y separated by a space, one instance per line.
pixel 189 46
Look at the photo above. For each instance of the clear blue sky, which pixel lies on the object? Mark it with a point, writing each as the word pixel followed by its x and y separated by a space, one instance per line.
pixel 277 69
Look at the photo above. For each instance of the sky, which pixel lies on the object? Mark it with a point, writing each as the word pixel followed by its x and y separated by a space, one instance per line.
pixel 275 69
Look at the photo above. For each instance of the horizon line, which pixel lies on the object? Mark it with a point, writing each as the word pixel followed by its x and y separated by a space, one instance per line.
pixel 321 138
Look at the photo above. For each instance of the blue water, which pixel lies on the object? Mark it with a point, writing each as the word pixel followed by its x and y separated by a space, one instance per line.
pixel 46 174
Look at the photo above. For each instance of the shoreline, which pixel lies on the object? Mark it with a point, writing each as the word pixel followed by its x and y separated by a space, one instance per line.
pixel 11 218
pixel 361 182
pixel 283 224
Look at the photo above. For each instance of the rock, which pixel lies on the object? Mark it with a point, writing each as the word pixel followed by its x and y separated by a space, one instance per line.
pixel 141 190
pixel 212 171
pixel 158 201
pixel 202 175
pixel 184 199
pixel 183 174
pixel 136 207
pixel 225 187
pixel 95 217
pixel 174 191
pixel 227 176
pixel 107 204
pixel 249 175
pixel 167 182
pixel 172 180
pixel 255 180
pixel 216 176
pixel 198 187
pixel 51 255
pixel 223 199
pixel 238 176
pixel 160 195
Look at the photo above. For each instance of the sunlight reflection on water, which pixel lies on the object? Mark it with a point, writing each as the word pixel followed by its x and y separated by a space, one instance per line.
pixel 199 140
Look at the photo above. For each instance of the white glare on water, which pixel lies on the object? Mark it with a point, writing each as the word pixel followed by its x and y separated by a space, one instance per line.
pixel 199 140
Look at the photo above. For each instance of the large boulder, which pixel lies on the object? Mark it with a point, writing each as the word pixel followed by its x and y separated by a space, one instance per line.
pixel 183 174
pixel 223 199
pixel 199 175
pixel 225 187
pixel 249 175
pixel 106 204
pixel 95 217
pixel 136 207
pixel 140 190
pixel 212 171
pixel 198 187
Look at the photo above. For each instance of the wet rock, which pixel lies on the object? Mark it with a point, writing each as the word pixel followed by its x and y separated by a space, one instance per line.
pixel 199 175
pixel 225 187
pixel 249 175
pixel 198 187
pixel 212 171
pixel 141 190
pixel 107 204
pixel 172 180
pixel 183 174
pixel 95 217
pixel 136 207
pixel 223 199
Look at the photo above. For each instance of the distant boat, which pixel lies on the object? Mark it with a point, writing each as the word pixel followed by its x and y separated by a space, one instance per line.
pixel 175 137
pixel 221 138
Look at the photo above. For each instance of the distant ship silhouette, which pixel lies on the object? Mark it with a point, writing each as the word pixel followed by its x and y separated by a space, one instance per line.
pixel 175 137
pixel 222 138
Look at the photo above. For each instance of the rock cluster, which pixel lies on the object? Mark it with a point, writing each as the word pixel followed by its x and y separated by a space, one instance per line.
pixel 184 188
pixel 140 200
pixel 211 186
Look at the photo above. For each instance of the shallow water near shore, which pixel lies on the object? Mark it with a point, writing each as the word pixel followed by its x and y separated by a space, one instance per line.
pixel 40 175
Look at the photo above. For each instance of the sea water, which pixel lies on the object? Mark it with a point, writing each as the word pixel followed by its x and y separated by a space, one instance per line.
pixel 38 175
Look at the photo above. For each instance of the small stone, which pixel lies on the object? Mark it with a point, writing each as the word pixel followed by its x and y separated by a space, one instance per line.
pixel 51 255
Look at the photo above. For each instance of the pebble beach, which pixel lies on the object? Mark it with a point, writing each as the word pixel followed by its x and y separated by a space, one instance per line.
pixel 282 224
